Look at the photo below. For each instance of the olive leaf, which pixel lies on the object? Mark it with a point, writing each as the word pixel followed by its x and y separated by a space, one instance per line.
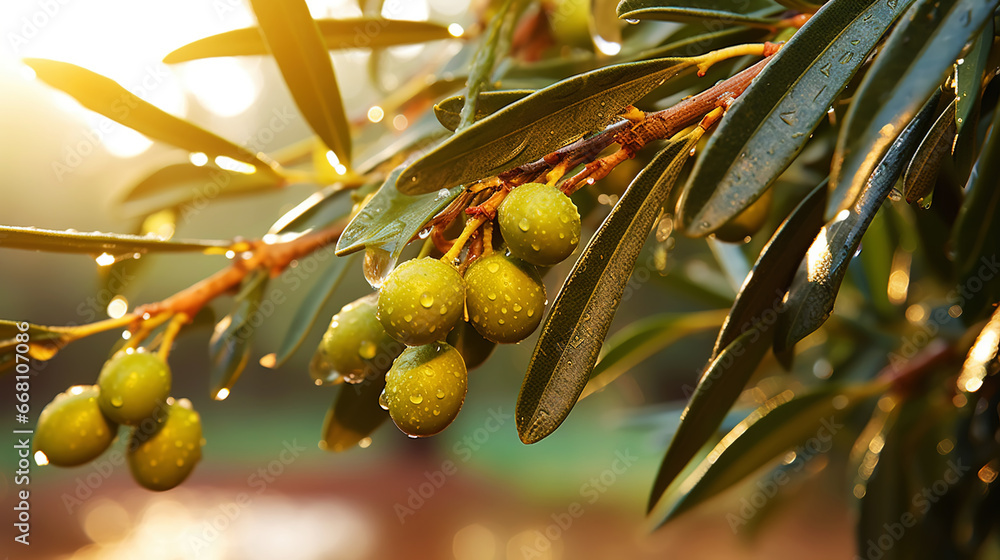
pixel 718 388
pixel 641 340
pixel 337 34
pixel 817 281
pixel 387 223
pixel 294 40
pixel 582 312
pixel 922 171
pixel 354 415
pixel 780 424
pixel 229 347
pixel 497 31
pixel 309 310
pixel 765 286
pixel 720 12
pixel 975 238
pixel 536 125
pixel 104 96
pixel 969 75
pixel 97 243
pixel 915 60
pixel 318 210
pixel 43 342
pixel 183 183
pixel 448 111
pixel 772 120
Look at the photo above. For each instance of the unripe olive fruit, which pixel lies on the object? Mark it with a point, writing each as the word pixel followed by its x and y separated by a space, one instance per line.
pixel 425 388
pixel 162 458
pixel 540 224
pixel 71 429
pixel 355 346
pixel 505 298
pixel 421 300
pixel 133 385
pixel 470 344
pixel 747 222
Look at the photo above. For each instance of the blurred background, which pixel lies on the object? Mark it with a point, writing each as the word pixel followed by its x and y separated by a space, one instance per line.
pixel 264 488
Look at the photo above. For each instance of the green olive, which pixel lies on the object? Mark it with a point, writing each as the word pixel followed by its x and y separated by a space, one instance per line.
pixel 161 455
pixel 505 298
pixel 540 224
pixel 425 388
pixel 71 429
pixel 355 346
pixel 421 301
pixel 747 222
pixel 470 344
pixel 133 385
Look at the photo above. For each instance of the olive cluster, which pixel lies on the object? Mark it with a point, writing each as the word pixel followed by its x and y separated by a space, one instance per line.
pixel 412 333
pixel 133 389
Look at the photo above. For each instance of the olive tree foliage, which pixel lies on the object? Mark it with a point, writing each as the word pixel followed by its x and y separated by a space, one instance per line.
pixel 846 149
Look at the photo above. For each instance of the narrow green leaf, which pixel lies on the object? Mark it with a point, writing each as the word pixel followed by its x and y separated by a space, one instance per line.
pixel 538 124
pixel 318 210
pixel 718 388
pixel 355 414
pixel 294 40
pixel 725 12
pixel 104 96
pixel 448 111
pixel 772 120
pixel 43 342
pixel 922 171
pixel 760 297
pixel 776 427
pixel 337 34
pixel 975 238
pixel 641 340
pixel 817 281
pixel 181 183
pixel 311 307
pixel 916 59
pixel 387 223
pixel 482 65
pixel 229 347
pixel 96 243
pixel 583 310
pixel 969 75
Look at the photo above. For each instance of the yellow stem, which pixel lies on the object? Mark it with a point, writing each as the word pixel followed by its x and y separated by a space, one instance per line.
pixel 557 172
pixel 84 331
pixel 147 326
pixel 634 115
pixel 706 60
pixel 488 238
pixel 170 334
pixel 470 227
